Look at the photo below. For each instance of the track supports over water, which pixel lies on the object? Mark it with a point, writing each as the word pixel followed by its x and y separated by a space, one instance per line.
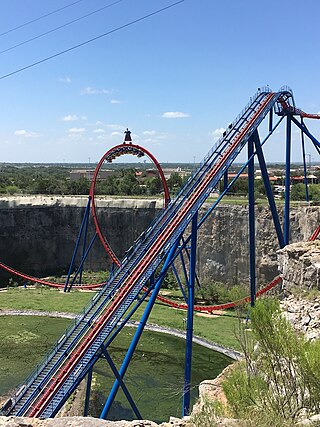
pixel 138 332
pixel 189 332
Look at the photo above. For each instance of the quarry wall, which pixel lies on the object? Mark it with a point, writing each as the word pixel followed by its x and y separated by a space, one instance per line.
pixel 38 235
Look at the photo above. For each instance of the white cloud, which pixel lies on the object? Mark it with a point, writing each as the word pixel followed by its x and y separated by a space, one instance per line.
pixel 217 132
pixel 92 91
pixel 149 132
pixel 115 133
pixel 26 134
pixel 99 123
pixel 65 79
pixel 76 130
pixel 115 101
pixel 70 118
pixel 115 127
pixel 174 115
pixel 98 130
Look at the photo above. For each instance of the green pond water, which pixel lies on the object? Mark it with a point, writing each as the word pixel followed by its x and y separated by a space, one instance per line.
pixel 154 377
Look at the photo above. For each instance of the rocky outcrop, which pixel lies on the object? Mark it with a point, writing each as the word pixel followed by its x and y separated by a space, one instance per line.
pixel 299 265
pixel 303 314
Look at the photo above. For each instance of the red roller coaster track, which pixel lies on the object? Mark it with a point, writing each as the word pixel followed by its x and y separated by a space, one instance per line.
pixel 109 250
pixel 117 151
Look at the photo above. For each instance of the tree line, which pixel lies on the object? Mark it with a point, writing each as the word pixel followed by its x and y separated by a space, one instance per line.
pixel 123 182
pixel 56 180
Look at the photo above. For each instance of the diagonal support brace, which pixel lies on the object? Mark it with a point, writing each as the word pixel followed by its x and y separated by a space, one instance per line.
pixel 121 382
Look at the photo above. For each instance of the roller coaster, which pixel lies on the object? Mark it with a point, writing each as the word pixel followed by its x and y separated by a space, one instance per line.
pixel 138 277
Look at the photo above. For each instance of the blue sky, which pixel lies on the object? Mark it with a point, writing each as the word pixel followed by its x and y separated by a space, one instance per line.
pixel 176 79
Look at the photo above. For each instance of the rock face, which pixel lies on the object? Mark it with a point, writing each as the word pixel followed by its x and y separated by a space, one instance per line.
pixel 303 314
pixel 38 235
pixel 299 264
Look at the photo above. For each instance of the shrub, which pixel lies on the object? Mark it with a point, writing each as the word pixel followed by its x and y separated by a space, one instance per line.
pixel 219 293
pixel 279 377
pixel 207 417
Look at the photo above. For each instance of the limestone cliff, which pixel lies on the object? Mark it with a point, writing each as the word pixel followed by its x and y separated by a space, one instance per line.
pixel 38 235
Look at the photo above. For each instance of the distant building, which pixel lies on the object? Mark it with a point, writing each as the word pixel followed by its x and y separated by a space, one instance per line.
pixel 76 174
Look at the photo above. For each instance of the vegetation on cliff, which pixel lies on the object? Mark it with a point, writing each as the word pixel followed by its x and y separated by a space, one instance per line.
pixel 277 383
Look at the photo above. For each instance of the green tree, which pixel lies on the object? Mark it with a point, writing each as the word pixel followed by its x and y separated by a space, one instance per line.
pixel 298 192
pixel 154 185
pixel 175 181
pixel 128 184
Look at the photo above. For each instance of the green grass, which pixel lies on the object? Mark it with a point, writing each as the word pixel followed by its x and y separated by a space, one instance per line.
pixel 43 299
pixel 218 329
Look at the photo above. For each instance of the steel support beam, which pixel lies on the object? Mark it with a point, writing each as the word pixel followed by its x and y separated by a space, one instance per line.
pixel 252 242
pixel 269 192
pixel 225 180
pixel 121 383
pixel 304 128
pixel 138 332
pixel 304 163
pixel 82 261
pixel 84 222
pixel 88 390
pixel 286 222
pixel 271 120
pixel 189 333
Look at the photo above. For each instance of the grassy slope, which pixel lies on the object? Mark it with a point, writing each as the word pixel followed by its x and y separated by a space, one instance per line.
pixel 43 299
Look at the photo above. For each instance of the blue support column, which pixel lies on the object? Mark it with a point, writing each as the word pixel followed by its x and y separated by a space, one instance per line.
pixel 304 163
pixel 88 389
pixel 286 224
pixel 138 332
pixel 265 177
pixel 189 334
pixel 84 246
pixel 271 120
pixel 82 262
pixel 304 128
pixel 225 180
pixel 188 256
pixel 252 243
pixel 85 217
pixel 179 282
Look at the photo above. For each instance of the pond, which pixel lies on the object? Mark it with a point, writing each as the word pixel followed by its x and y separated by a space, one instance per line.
pixel 154 377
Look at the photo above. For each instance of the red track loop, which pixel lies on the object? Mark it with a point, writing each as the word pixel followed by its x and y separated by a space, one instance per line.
pixel 110 155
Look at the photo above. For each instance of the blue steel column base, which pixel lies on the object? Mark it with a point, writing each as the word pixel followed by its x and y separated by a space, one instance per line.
pixel 252 242
pixel 286 222
pixel 189 333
